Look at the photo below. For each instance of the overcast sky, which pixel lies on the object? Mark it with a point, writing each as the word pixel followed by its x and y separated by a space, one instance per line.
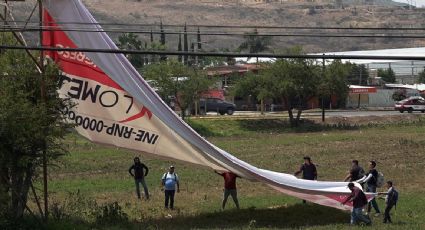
pixel 419 3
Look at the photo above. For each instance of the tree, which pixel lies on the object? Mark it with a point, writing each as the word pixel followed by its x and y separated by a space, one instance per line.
pixel 31 122
pixel 162 41
pixel 421 77
pixel 174 79
pixel 295 82
pixel 179 48
pixel 254 43
pixel 130 41
pixel 387 75
pixel 334 82
pixel 259 86
pixel 185 45
pixel 358 74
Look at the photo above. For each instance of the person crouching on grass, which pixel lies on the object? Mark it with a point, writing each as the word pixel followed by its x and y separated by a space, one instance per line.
pixel 359 200
pixel 229 188
pixel 169 181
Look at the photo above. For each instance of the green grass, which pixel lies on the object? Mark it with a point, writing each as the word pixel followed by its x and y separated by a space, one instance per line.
pixel 99 174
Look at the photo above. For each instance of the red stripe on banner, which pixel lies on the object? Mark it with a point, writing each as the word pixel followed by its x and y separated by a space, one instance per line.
pixel 142 113
pixel 75 63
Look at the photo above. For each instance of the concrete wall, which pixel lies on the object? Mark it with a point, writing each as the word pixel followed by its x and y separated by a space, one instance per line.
pixel 382 98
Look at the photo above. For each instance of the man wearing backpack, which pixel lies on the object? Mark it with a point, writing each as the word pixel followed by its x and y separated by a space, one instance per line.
pixel 356 172
pixel 390 200
pixel 371 183
pixel 359 201
pixel 169 181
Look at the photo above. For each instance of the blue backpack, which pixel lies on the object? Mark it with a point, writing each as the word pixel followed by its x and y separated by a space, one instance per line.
pixel 394 198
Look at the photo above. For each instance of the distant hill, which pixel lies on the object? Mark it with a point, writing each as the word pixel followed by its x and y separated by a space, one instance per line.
pixel 337 13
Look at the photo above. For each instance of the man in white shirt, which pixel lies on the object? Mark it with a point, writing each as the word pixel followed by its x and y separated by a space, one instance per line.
pixel 169 181
pixel 390 201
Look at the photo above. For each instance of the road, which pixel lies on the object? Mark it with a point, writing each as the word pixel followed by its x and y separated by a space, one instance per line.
pixel 318 113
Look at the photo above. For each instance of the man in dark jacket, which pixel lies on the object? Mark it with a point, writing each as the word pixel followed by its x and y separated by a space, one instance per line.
pixel 308 169
pixel 371 182
pixel 359 201
pixel 356 172
pixel 390 201
pixel 140 172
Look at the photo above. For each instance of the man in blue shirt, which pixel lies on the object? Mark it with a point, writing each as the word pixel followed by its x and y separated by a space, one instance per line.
pixel 169 181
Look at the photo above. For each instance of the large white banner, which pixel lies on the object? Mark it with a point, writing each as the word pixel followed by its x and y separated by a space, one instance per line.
pixel 116 106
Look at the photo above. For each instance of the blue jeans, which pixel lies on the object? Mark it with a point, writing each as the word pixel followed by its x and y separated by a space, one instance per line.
pixel 145 187
pixel 357 216
pixel 371 188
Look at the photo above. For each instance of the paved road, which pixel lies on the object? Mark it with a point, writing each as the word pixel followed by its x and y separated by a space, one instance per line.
pixel 316 113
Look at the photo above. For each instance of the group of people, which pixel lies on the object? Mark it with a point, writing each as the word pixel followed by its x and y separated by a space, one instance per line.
pixel 170 183
pixel 357 196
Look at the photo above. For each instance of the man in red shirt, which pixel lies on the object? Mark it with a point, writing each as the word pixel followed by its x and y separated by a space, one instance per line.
pixel 359 201
pixel 229 187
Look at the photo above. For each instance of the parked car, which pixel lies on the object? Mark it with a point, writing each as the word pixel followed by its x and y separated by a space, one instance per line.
pixel 216 105
pixel 411 104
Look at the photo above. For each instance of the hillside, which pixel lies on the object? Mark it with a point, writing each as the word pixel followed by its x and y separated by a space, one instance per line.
pixel 274 13
pixel 287 13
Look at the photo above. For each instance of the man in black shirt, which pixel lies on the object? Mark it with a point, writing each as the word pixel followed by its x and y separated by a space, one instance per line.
pixel 308 169
pixel 371 182
pixel 356 172
pixel 140 172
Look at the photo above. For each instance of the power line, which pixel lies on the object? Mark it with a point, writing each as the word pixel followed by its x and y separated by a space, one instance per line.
pixel 237 26
pixel 411 36
pixel 217 54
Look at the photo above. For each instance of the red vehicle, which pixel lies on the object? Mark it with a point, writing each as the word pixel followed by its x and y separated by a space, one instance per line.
pixel 411 104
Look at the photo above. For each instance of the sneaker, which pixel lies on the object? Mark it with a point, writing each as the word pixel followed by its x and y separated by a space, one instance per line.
pixel 377 214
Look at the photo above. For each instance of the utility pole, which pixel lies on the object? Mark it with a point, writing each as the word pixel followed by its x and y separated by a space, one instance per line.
pixel 360 83
pixel 43 96
pixel 323 101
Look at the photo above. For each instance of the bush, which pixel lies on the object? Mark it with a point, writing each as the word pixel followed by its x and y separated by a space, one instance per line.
pixel 110 213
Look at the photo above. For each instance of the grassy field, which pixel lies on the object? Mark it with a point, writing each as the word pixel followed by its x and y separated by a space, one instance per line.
pixel 85 184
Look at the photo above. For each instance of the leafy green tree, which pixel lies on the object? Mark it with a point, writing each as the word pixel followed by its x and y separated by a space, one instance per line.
pixel 387 75
pixel 254 43
pixel 130 41
pixel 162 40
pixel 334 82
pixel 179 48
pixel 421 77
pixel 31 122
pixel 174 79
pixel 259 86
pixel 358 74
pixel 296 81
pixel 185 45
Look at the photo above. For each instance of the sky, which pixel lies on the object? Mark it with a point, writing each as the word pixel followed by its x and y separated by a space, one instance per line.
pixel 419 3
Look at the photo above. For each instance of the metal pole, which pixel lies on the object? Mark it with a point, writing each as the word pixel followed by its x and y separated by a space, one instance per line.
pixel 360 83
pixel 323 101
pixel 43 95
